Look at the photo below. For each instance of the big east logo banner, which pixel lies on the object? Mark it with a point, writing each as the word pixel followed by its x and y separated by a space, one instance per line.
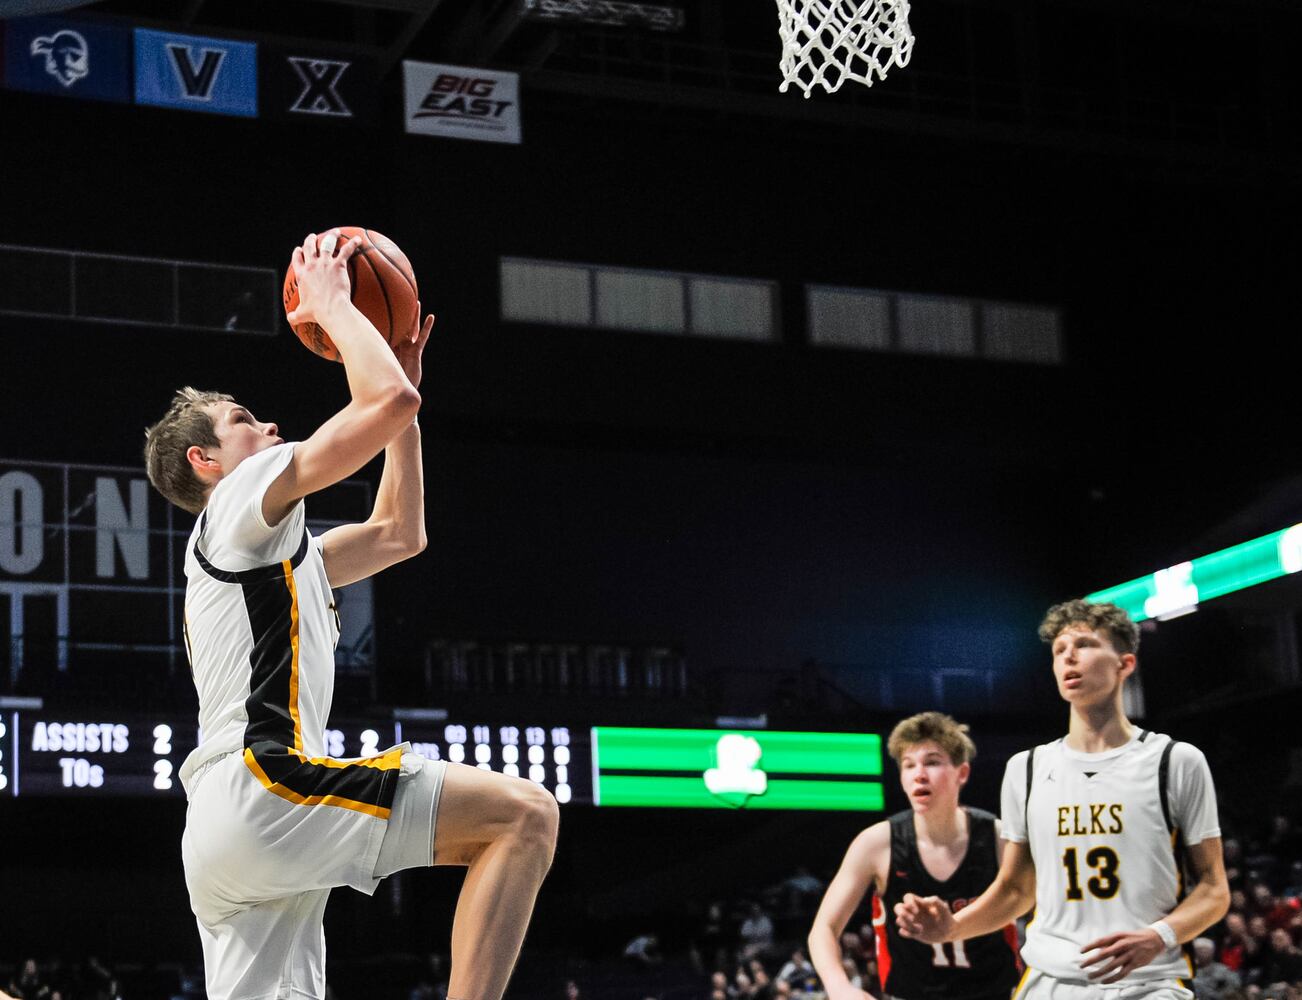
pixel 462 102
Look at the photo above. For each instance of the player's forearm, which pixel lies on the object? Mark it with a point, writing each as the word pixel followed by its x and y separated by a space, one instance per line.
pixel 1002 903
pixel 1207 903
pixel 374 374
pixel 825 952
pixel 400 499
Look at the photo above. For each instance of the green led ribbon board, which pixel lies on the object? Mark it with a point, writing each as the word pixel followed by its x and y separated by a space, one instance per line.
pixel 1181 588
pixel 736 769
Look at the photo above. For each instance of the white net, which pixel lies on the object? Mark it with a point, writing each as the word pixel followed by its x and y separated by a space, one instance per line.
pixel 826 42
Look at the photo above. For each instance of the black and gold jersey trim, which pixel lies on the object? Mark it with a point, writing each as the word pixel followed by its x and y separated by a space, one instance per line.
pixel 366 785
pixel 273 735
pixel 246 576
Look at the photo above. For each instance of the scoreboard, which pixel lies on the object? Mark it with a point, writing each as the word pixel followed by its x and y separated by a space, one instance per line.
pixel 48 753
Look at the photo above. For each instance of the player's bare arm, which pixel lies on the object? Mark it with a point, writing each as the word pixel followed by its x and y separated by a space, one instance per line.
pixel 383 402
pixel 1117 955
pixel 864 868
pixel 1010 895
pixel 396 528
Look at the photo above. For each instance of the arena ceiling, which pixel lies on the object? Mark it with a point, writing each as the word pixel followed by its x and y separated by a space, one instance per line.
pixel 1194 85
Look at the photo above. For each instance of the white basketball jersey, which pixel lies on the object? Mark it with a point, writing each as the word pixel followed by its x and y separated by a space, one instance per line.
pixel 1108 855
pixel 260 624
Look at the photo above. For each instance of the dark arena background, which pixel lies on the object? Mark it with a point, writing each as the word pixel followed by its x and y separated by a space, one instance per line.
pixel 743 412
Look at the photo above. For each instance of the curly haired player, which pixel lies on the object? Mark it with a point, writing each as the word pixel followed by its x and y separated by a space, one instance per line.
pixel 1105 829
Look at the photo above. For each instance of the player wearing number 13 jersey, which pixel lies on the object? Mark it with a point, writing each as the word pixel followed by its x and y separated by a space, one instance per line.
pixel 937 848
pixel 1111 832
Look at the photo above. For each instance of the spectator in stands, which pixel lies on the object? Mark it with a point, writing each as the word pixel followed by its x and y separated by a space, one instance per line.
pixel 30 984
pixel 743 986
pixel 644 951
pixel 571 990
pixel 1233 852
pixel 801 892
pixel 853 946
pixel 852 972
pixel 714 939
pixel 1255 957
pixel 1283 961
pixel 1236 945
pixel 1293 886
pixel 761 984
pixel 756 933
pixel 1212 979
pixel 719 983
pixel 1274 911
pixel 1285 840
pixel 797 968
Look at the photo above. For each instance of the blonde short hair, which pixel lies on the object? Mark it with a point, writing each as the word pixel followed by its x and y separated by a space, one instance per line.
pixel 937 727
pixel 187 422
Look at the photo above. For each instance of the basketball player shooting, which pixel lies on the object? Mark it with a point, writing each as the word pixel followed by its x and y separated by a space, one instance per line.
pixel 273 823
pixel 1105 829
pixel 936 847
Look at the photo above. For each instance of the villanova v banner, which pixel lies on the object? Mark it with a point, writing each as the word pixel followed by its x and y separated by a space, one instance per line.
pixel 196 73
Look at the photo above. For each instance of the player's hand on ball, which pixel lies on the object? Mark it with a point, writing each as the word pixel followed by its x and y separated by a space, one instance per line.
pixel 412 346
pixel 1118 955
pixel 924 918
pixel 321 270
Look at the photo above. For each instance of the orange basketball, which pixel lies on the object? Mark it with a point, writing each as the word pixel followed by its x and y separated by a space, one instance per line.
pixel 383 288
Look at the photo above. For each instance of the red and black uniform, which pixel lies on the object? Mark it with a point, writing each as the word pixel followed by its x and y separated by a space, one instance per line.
pixel 980 968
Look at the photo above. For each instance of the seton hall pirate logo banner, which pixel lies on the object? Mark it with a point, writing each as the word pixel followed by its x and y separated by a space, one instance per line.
pixel 308 84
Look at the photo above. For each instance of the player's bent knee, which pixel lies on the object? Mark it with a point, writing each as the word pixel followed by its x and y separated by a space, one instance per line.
pixel 539 816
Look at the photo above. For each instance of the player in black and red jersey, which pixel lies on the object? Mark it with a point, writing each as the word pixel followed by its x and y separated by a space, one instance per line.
pixel 935 848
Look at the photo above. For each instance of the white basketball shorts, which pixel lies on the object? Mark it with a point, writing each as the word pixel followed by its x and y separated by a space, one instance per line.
pixel 1037 985
pixel 261 859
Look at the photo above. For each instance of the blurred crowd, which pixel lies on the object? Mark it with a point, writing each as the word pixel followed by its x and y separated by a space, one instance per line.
pixel 756 951
pixel 1255 953
pixel 752 948
pixel 87 980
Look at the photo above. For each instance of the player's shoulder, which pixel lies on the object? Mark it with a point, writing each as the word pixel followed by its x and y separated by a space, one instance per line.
pixel 873 839
pixel 1181 752
pixel 1185 757
pixel 256 466
pixel 252 475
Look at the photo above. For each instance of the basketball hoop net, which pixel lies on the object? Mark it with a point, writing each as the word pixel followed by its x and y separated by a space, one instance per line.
pixel 826 42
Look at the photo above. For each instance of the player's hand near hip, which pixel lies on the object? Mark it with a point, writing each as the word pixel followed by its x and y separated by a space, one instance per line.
pixel 322 276
pixel 412 346
pixel 1118 955
pixel 848 993
pixel 924 918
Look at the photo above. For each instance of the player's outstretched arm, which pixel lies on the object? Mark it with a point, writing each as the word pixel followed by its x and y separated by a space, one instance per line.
pixel 1117 955
pixel 383 400
pixel 396 528
pixel 860 871
pixel 1012 893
